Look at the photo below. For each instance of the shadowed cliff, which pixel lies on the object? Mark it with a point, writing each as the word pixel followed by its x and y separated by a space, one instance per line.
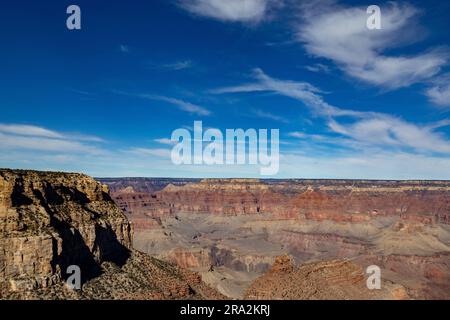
pixel 50 220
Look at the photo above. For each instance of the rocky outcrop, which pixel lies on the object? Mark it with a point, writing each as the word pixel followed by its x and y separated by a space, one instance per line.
pixel 429 274
pixel 282 264
pixel 309 244
pixel 141 278
pixel 235 260
pixel 335 279
pixel 190 258
pixel 50 221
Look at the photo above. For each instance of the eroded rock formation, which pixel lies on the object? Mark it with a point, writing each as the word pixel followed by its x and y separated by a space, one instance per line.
pixel 336 280
pixel 49 221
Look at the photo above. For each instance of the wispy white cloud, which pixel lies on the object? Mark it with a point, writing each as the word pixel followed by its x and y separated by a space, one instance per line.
pixel 385 130
pixel 181 104
pixel 19 136
pixel 159 152
pixel 124 48
pixel 367 129
pixel 319 68
pixel 267 115
pixel 19 151
pixel 439 91
pixel 29 130
pixel 440 95
pixel 368 165
pixel 82 92
pixel 178 65
pixel 36 131
pixel 36 147
pixel 44 144
pixel 83 137
pixel 229 10
pixel 321 143
pixel 297 134
pixel 166 141
pixel 339 33
pixel 302 91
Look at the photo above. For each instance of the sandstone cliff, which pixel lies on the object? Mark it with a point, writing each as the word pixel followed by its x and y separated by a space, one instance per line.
pixel 49 221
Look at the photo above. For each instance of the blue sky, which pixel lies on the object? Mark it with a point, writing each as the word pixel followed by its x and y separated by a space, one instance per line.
pixel 349 102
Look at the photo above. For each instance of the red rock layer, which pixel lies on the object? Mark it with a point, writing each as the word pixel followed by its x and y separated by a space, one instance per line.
pixel 427 202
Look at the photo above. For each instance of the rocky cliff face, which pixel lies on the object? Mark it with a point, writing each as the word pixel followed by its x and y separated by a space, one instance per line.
pixel 337 200
pixel 49 221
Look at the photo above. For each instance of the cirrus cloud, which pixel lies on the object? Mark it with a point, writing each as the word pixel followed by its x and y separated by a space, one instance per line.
pixel 19 136
pixel 439 92
pixel 229 10
pixel 338 33
pixel 365 129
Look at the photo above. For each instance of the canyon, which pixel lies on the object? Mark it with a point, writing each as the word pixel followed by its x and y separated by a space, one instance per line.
pixel 232 231
pixel 162 238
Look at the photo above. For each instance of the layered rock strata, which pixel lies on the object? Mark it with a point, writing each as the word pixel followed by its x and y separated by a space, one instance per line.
pixel 232 229
pixel 50 221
